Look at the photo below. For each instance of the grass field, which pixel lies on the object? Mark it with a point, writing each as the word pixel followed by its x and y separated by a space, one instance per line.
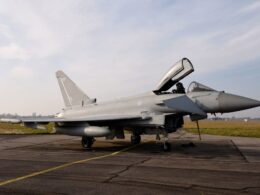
pixel 228 128
pixel 6 128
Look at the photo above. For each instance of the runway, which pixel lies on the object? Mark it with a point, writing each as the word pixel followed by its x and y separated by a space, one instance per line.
pixel 56 164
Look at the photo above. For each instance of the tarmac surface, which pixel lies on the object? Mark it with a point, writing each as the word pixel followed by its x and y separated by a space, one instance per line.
pixel 56 164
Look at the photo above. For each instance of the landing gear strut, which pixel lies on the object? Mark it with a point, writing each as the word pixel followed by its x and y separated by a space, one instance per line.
pixel 135 139
pixel 87 142
pixel 166 145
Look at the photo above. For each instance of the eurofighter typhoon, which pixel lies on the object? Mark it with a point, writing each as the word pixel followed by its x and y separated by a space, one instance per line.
pixel 158 112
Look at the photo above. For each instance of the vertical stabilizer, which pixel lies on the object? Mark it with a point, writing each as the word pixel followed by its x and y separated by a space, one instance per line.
pixel 72 94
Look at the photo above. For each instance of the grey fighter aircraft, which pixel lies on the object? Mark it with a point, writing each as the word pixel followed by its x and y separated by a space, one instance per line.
pixel 158 112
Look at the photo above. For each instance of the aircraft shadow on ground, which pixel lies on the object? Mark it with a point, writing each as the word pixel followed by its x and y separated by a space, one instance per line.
pixel 180 148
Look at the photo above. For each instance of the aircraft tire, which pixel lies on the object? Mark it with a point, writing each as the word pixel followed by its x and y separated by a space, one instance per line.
pixel 135 139
pixel 87 142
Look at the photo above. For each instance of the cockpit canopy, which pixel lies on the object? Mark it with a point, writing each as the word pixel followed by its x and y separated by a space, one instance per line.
pixel 197 87
pixel 177 72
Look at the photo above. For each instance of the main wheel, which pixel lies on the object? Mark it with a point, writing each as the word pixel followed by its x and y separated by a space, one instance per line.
pixel 166 147
pixel 87 142
pixel 135 139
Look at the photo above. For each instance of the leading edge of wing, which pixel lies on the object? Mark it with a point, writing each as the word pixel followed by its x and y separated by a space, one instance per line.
pixel 82 119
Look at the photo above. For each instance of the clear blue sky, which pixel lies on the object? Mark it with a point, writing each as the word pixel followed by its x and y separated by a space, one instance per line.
pixel 120 48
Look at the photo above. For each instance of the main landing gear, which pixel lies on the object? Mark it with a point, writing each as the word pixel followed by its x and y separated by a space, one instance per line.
pixel 135 139
pixel 87 142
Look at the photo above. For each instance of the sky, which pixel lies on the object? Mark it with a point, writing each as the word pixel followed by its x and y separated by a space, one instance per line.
pixel 118 48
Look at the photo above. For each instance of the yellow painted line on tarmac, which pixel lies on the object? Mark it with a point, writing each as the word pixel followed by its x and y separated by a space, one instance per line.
pixel 65 165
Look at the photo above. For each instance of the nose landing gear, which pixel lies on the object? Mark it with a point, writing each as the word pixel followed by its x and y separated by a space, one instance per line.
pixel 166 146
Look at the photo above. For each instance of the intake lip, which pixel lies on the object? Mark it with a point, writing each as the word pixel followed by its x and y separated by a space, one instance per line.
pixel 230 103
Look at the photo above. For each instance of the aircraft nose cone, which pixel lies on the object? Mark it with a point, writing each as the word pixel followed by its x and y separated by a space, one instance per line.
pixel 231 103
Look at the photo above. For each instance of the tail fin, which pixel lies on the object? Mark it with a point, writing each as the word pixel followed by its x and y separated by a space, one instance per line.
pixel 72 94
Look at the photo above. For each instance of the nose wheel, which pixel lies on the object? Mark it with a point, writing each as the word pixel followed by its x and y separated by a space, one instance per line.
pixel 135 139
pixel 87 142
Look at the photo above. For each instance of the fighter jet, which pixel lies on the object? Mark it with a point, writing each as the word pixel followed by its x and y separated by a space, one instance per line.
pixel 157 112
